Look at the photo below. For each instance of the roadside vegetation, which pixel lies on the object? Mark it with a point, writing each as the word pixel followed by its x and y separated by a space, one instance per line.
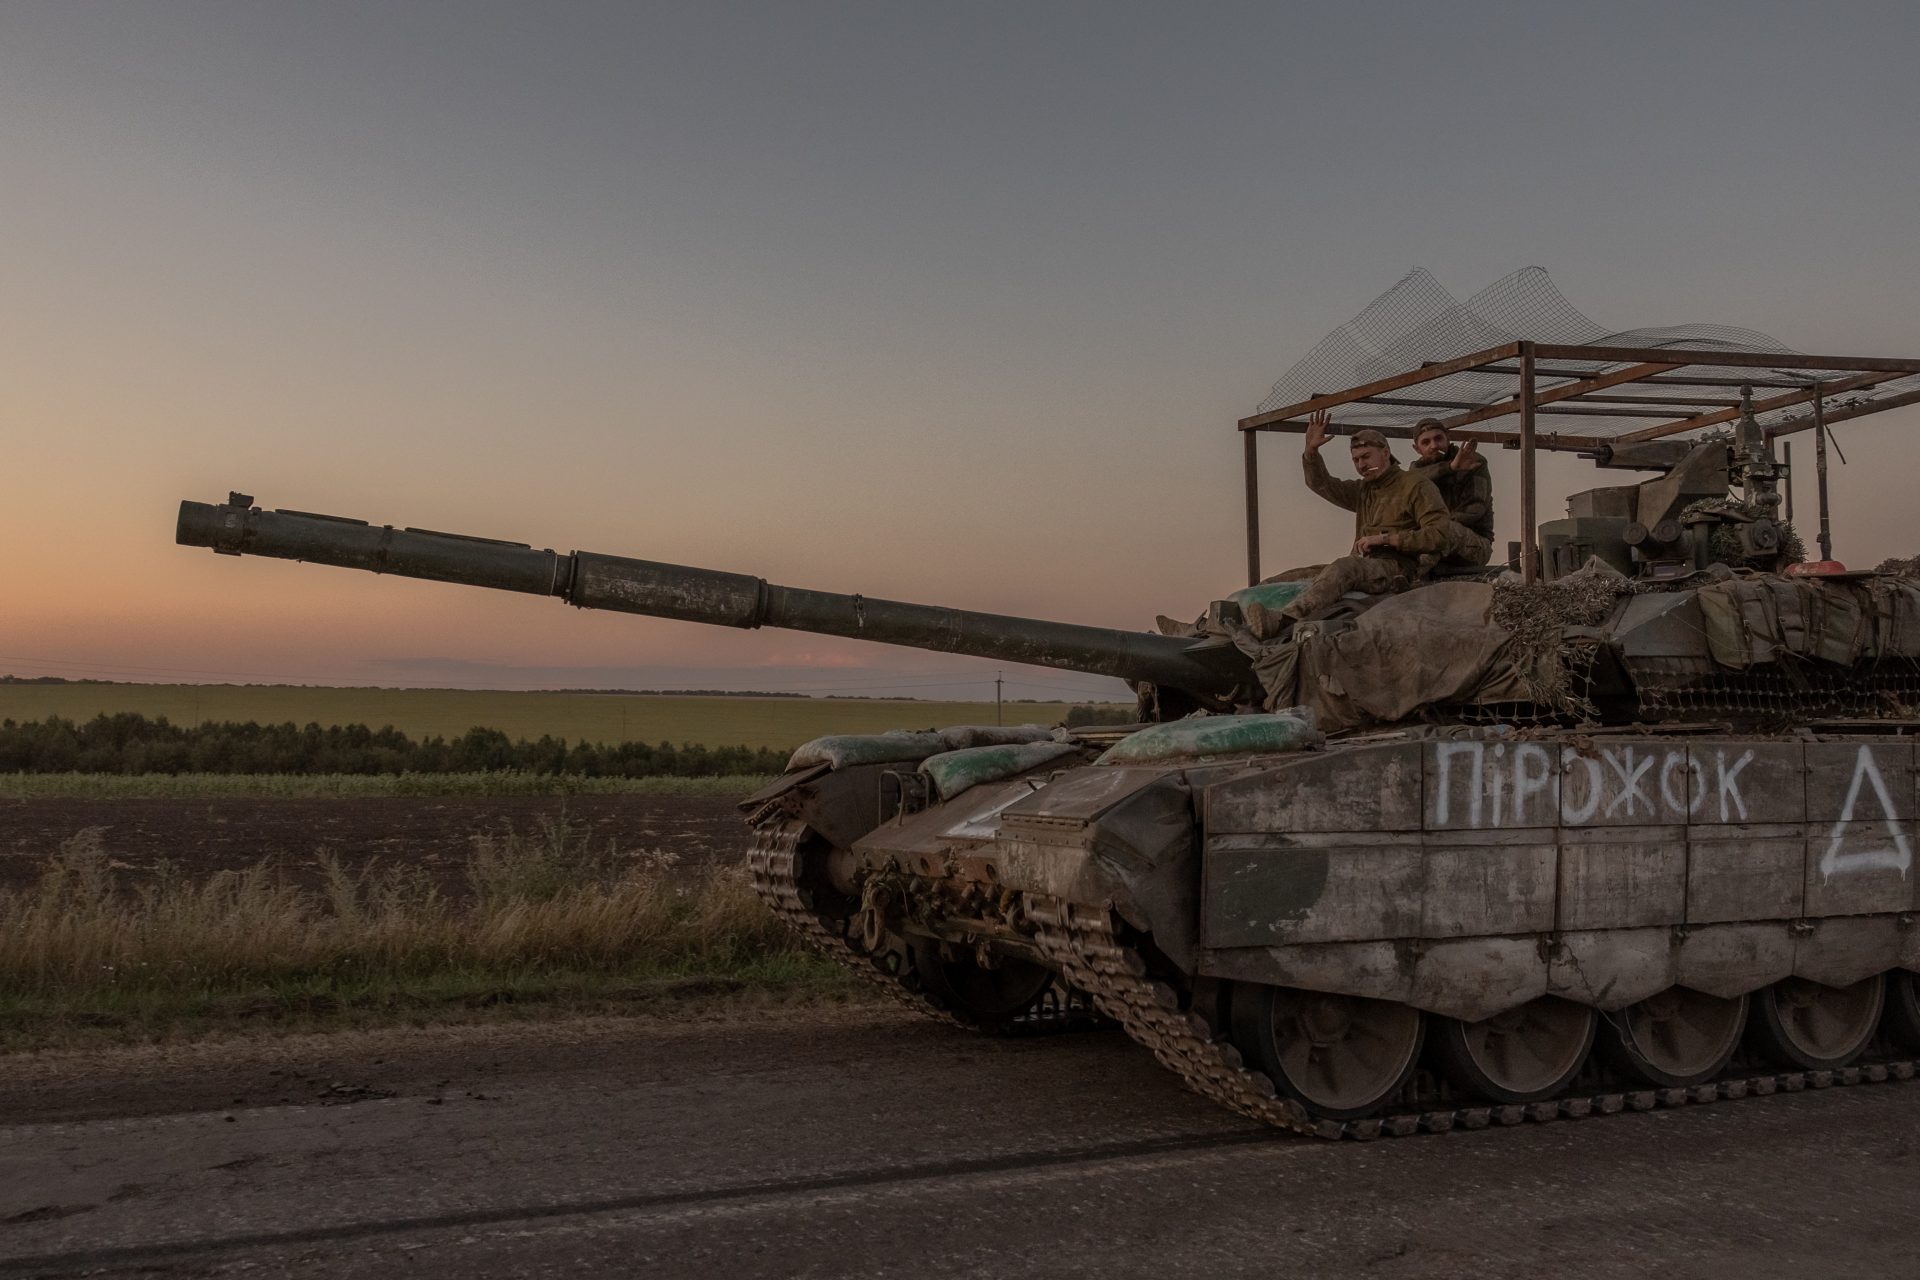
pixel 130 743
pixel 528 926
pixel 777 723
pixel 548 923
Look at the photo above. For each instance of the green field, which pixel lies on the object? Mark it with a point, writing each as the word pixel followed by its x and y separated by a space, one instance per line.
pixel 782 723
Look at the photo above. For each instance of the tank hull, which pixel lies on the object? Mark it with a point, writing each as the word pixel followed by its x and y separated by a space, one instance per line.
pixel 1465 878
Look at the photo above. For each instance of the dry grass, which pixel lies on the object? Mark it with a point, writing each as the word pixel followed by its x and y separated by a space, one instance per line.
pixel 548 918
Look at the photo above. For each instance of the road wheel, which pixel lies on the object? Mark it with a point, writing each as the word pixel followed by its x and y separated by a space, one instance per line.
pixel 1343 1057
pixel 988 998
pixel 1903 1010
pixel 1526 1054
pixel 1678 1038
pixel 1800 1023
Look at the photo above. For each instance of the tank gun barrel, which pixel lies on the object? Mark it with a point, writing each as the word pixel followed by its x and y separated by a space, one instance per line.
pixel 593 581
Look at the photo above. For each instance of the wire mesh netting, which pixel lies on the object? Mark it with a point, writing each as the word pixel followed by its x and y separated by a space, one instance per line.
pixel 1418 321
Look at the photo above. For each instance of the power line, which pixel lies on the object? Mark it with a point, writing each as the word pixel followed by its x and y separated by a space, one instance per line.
pixel 1056 688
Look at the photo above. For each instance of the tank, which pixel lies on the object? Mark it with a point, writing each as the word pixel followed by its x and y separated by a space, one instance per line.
pixel 1483 853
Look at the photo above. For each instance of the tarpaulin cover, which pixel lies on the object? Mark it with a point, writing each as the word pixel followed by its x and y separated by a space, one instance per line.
pixel 1463 643
pixel 898 746
pixel 953 772
pixel 1206 736
pixel 1753 619
pixel 1432 645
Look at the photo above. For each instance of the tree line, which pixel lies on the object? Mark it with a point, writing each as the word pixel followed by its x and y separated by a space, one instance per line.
pixel 130 743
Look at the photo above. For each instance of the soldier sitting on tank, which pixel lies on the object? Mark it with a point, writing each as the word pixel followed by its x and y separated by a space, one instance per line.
pixel 1397 518
pixel 1460 474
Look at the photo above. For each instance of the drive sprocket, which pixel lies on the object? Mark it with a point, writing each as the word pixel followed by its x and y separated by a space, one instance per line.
pixel 1005 1002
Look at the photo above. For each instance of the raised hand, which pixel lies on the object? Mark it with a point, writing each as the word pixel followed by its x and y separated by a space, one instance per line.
pixel 1465 456
pixel 1317 430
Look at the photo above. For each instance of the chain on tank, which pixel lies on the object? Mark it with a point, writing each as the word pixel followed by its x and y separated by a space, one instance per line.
pixel 1085 943
pixel 774 865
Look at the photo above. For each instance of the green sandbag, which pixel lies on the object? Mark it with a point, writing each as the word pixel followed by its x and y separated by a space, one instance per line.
pixel 1207 736
pixel 953 772
pixel 900 746
pixel 1271 596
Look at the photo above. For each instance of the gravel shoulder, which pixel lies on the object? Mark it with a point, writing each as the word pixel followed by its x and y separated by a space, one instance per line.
pixel 864 1142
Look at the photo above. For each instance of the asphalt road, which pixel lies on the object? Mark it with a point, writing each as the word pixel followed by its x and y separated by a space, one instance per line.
pixel 866 1143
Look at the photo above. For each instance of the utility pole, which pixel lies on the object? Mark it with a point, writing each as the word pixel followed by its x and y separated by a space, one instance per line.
pixel 996 697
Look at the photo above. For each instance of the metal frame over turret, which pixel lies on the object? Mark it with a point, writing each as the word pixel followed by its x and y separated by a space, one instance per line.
pixel 1643 408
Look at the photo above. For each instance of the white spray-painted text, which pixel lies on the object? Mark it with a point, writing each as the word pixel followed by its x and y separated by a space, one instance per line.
pixel 1490 785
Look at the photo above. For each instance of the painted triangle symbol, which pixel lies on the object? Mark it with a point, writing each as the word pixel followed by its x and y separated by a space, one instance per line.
pixel 1895 855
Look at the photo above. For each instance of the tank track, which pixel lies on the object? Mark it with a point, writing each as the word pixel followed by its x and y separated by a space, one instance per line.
pixel 1084 942
pixel 773 863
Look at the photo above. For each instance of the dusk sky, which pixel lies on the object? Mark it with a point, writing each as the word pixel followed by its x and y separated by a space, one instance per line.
pixel 946 303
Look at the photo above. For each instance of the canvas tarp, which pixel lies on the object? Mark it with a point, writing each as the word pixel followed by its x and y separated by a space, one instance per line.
pixel 1756 618
pixel 1431 645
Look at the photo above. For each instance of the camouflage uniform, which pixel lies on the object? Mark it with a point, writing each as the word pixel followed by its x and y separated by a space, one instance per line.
pixel 1469 498
pixel 1397 501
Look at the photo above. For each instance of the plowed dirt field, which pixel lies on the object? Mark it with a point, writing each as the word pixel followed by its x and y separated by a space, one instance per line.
pixel 209 834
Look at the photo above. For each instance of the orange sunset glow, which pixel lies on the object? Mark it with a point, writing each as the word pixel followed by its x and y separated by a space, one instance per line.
pixel 793 301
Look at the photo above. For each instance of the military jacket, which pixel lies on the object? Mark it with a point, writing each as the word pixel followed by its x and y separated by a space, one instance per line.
pixel 1396 501
pixel 1468 494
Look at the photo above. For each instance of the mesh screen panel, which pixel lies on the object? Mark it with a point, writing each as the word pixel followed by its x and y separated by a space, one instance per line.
pixel 1418 321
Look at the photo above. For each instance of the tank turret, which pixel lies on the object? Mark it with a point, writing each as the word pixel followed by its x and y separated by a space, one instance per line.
pixel 1684 521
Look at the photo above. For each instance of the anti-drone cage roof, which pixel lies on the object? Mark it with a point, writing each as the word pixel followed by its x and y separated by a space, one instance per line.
pixel 1519 365
pixel 1618 396
pixel 1418 351
pixel 1587 397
